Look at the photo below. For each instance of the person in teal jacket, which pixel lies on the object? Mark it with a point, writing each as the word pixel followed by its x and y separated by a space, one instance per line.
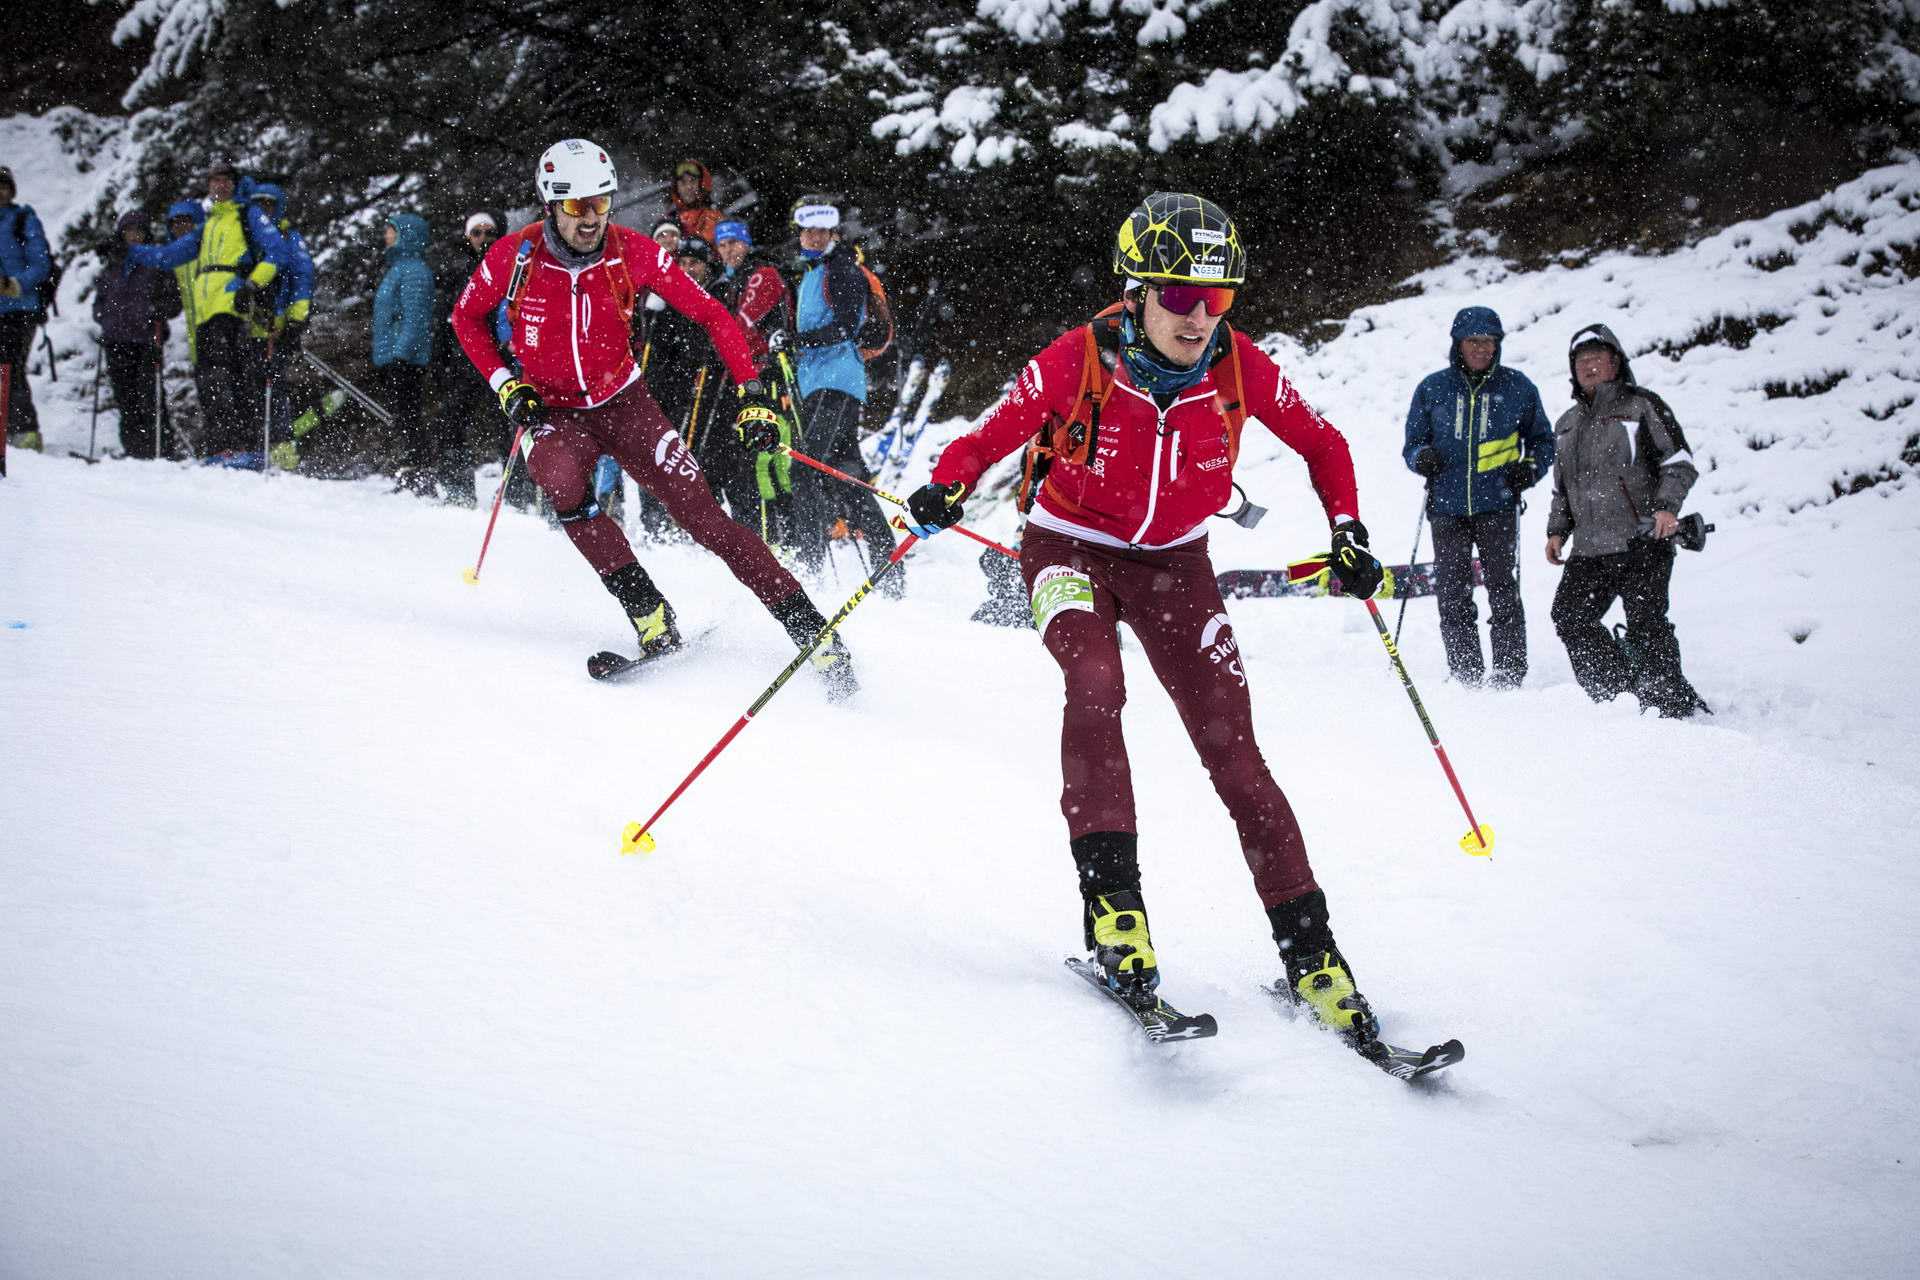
pixel 403 344
pixel 1479 434
pixel 829 314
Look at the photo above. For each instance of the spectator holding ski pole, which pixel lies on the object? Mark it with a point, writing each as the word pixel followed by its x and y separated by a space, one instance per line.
pixel 569 283
pixel 1476 430
pixel 1136 418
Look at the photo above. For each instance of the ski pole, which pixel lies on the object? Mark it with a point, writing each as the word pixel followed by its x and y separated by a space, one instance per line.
pixel 159 399
pixel 472 576
pixel 638 836
pixel 1419 527
pixel 797 456
pixel 1479 840
pixel 266 419
pixel 6 394
pixel 93 423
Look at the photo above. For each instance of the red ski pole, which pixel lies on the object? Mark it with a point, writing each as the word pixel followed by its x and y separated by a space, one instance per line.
pixel 6 388
pixel 818 465
pixel 638 836
pixel 472 575
pixel 1479 840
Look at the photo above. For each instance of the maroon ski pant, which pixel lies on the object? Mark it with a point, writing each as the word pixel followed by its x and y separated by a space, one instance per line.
pixel 1080 593
pixel 631 428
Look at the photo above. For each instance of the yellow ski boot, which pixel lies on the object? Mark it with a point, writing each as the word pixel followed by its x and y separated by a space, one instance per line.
pixel 1117 923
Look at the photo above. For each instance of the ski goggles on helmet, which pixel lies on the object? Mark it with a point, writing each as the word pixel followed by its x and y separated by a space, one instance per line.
pixel 1181 299
pixel 581 206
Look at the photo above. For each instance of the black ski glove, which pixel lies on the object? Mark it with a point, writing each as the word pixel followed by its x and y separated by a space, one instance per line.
pixel 1359 573
pixel 1521 475
pixel 758 421
pixel 1428 461
pixel 521 403
pixel 933 507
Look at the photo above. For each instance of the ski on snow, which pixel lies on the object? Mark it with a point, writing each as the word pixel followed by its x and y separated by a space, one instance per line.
pixel 1398 1062
pixel 1160 1020
pixel 607 665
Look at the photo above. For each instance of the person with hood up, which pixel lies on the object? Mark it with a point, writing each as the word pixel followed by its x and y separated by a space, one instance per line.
pixel 1621 472
pixel 403 344
pixel 1479 434
pixel 690 199
pixel 25 264
pixel 132 312
pixel 234 256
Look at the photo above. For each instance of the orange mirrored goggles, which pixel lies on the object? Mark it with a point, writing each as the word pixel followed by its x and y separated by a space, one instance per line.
pixel 581 206
pixel 1182 298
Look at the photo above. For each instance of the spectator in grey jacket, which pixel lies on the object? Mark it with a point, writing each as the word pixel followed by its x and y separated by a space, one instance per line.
pixel 1621 472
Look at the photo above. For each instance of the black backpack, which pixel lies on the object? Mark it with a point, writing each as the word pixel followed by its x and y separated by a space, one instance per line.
pixel 49 288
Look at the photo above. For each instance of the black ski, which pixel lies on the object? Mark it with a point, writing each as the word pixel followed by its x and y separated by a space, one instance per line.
pixel 608 665
pixel 1398 1062
pixel 1160 1020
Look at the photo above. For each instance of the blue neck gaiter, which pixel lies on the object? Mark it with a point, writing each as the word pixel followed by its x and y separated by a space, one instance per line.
pixel 1154 376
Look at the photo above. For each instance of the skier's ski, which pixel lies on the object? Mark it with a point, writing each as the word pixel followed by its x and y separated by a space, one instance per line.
pixel 910 436
pixel 1309 578
pixel 883 440
pixel 608 665
pixel 1160 1020
pixel 1398 1062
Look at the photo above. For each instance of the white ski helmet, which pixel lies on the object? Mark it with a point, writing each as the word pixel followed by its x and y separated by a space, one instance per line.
pixel 572 168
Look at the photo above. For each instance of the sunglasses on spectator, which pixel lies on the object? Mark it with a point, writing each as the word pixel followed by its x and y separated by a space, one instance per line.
pixel 1182 298
pixel 581 206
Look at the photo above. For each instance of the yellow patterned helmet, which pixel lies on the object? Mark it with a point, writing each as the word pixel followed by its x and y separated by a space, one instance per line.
pixel 1180 239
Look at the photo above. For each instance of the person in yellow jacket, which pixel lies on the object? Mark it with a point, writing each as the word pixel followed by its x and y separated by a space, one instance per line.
pixel 233 256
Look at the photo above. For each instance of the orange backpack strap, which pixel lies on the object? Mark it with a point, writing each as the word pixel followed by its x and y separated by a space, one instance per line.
pixel 1230 396
pixel 1075 436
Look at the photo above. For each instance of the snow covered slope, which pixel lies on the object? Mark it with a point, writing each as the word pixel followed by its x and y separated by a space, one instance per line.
pixel 317 957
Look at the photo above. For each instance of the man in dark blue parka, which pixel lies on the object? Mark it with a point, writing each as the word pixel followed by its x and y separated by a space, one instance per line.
pixel 1479 434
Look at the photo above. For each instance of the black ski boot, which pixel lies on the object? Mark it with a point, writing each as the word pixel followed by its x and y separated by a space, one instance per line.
pixel 802 623
pixel 1317 977
pixel 648 610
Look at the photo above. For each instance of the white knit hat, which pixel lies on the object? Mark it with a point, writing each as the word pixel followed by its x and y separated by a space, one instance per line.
pixel 481 220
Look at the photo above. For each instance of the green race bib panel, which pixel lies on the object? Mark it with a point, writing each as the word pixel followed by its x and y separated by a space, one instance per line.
pixel 1057 588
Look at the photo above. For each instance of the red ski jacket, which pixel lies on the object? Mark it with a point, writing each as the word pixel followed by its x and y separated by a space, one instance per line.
pixel 572 336
pixel 1153 475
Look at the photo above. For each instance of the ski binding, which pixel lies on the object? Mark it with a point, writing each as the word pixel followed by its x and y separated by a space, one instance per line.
pixel 1159 1020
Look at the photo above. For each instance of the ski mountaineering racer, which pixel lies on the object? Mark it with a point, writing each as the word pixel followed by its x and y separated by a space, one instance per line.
pixel 569 283
pixel 1142 410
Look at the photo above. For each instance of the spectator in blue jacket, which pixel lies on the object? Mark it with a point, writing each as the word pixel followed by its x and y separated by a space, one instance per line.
pixel 291 300
pixel 403 344
pixel 1479 434
pixel 25 265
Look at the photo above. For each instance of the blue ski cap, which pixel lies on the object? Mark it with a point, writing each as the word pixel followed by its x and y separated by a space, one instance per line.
pixel 733 230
